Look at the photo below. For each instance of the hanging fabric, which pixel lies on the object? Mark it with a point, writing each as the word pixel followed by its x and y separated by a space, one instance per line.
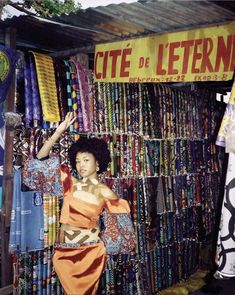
pixel 47 87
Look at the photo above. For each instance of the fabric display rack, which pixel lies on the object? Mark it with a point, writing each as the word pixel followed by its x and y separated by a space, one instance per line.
pixel 164 162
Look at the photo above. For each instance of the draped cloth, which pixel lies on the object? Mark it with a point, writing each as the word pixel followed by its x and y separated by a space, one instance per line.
pixel 226 235
pixel 35 96
pixel 83 78
pixel 26 219
pixel 27 90
pixel 47 87
pixel 229 117
pixel 79 269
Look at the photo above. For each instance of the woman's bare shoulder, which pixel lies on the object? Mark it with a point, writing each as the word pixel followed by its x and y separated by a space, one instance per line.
pixel 106 192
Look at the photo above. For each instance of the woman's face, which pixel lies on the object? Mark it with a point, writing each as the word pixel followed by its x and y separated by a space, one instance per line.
pixel 86 165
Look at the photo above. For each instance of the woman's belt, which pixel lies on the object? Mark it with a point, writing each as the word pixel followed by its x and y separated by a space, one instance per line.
pixel 78 236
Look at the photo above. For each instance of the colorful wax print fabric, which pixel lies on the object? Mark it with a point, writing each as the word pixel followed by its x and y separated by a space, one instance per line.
pixel 26 233
pixel 47 87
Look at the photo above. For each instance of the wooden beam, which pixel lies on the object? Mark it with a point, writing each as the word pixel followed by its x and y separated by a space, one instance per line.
pixel 6 263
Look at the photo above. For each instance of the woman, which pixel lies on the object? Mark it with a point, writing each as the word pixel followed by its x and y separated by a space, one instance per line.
pixel 80 254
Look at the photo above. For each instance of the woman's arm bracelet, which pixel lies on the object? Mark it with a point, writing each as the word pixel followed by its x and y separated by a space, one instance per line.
pixel 45 149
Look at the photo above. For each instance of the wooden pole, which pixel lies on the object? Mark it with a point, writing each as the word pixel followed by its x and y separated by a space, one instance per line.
pixel 6 263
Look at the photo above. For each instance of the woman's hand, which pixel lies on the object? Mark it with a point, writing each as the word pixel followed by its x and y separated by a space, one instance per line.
pixel 45 149
pixel 69 119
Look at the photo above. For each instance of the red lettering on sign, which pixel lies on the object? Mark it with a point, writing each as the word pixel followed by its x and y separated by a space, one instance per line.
pixel 207 49
pixel 141 62
pixel 114 55
pixel 107 58
pixel 105 63
pixel 159 69
pixel 196 55
pixel 98 54
pixel 232 64
pixel 223 53
pixel 186 45
pixel 125 63
pixel 172 58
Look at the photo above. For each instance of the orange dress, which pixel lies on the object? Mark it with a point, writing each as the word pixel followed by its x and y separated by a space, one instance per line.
pixel 79 268
pixel 78 265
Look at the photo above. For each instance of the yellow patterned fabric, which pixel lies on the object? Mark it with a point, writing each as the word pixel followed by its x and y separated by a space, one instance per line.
pixel 229 117
pixel 47 87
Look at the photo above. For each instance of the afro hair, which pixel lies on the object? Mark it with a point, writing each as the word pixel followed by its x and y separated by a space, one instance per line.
pixel 95 146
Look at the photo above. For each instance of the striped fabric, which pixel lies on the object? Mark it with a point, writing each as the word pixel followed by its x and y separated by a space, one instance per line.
pixel 47 87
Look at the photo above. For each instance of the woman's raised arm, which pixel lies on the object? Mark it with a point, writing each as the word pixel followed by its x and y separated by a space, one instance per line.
pixel 45 149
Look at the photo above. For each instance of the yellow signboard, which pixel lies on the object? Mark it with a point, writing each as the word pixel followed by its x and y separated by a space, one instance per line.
pixel 205 54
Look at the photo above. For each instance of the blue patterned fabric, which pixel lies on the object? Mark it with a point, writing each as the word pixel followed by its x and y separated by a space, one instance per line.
pixel 8 58
pixel 43 175
pixel 118 234
pixel 27 225
pixel 37 109
pixel 28 94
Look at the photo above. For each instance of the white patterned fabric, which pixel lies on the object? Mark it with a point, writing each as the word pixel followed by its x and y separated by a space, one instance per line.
pixel 226 235
pixel 228 119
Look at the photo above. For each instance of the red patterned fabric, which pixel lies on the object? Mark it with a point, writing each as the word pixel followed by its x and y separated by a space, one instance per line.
pixel 43 176
pixel 118 235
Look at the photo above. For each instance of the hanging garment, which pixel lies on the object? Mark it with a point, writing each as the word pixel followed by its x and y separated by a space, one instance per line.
pixel 228 119
pixel 226 238
pixel 60 72
pixel 83 79
pixel 26 233
pixel 47 87
pixel 2 147
pixel 79 258
pixel 34 95
pixel 28 94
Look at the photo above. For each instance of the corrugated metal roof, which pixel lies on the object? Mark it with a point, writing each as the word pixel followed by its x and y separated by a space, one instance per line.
pixel 116 22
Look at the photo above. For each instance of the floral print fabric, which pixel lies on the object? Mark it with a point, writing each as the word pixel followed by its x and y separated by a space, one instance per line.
pixel 118 235
pixel 43 175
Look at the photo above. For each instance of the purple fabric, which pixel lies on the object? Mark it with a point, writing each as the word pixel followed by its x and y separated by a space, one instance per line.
pixel 28 94
pixel 37 110
pixel 84 94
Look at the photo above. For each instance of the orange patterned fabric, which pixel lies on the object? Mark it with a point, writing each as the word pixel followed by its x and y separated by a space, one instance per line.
pixel 79 269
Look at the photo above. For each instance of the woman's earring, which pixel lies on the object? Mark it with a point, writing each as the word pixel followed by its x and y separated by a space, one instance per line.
pixel 97 168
